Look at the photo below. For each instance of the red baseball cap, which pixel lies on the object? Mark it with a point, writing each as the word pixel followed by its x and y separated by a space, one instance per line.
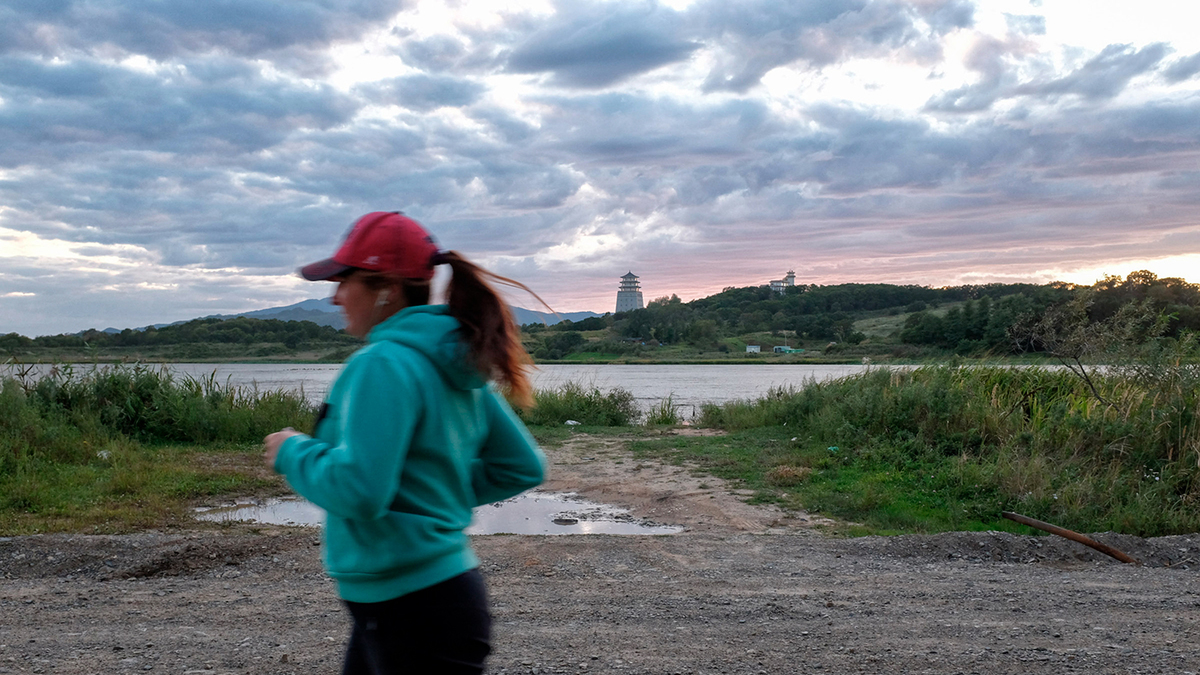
pixel 383 241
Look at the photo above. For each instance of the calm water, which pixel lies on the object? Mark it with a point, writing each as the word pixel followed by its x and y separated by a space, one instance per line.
pixel 531 513
pixel 688 385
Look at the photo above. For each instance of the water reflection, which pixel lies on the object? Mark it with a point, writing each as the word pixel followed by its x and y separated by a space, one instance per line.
pixel 531 513
pixel 286 511
pixel 556 513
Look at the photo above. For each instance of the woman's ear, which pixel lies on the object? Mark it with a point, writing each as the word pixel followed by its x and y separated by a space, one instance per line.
pixel 395 295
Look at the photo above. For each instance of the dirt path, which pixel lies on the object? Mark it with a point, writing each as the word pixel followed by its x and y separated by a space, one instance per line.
pixel 744 590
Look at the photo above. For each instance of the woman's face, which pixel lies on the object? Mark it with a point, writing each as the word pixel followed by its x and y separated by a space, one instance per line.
pixel 359 304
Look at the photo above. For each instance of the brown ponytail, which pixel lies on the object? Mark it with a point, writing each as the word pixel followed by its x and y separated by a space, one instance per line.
pixel 492 337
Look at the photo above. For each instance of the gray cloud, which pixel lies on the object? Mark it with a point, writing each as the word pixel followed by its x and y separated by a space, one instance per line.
pixel 598 128
pixel 507 127
pixel 164 30
pixel 591 45
pixel 1183 69
pixel 1102 77
pixel 426 92
pixel 87 105
pixel 988 57
pixel 1026 24
pixel 19 24
pixel 597 45
pixel 211 159
pixel 761 35
pixel 436 54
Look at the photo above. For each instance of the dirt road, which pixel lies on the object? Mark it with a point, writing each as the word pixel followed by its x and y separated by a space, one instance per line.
pixel 744 590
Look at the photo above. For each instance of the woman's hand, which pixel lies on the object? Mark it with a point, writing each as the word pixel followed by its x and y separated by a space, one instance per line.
pixel 272 443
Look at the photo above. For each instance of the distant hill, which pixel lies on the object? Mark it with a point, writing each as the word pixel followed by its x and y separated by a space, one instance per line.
pixel 326 314
pixel 318 311
pixel 314 305
pixel 525 316
pixel 321 312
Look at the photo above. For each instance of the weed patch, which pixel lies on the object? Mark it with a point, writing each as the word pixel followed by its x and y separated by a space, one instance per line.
pixel 945 448
pixel 129 447
pixel 588 406
pixel 665 414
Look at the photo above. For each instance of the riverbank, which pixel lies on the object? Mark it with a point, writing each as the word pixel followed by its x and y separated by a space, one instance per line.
pixel 587 360
pixel 337 357
pixel 896 450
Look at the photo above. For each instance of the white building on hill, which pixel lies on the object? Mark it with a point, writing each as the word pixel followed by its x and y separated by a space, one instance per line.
pixel 780 286
pixel 629 297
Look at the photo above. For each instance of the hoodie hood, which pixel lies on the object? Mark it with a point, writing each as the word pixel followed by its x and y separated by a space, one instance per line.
pixel 430 330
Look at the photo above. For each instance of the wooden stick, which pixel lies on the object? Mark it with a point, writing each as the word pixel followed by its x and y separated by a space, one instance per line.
pixel 1073 536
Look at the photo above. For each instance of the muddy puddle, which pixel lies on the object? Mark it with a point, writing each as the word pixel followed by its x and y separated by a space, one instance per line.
pixel 530 513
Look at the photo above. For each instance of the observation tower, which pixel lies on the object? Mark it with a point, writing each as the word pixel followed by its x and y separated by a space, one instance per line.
pixel 629 297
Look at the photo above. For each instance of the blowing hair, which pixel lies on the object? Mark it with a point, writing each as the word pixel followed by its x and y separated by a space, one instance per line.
pixel 486 325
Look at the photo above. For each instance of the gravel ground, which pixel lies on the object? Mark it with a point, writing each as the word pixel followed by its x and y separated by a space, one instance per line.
pixel 743 590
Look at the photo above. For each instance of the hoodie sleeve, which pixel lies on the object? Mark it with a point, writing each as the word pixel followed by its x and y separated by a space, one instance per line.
pixel 356 477
pixel 509 461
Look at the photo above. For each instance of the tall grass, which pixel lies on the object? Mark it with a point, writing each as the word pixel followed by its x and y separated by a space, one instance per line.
pixel 150 404
pixel 113 447
pixel 664 414
pixel 586 405
pixel 887 445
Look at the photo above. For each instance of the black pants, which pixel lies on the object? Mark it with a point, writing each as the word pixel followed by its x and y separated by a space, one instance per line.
pixel 440 629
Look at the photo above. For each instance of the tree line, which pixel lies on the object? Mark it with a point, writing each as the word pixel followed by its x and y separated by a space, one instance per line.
pixel 984 325
pixel 980 318
pixel 240 330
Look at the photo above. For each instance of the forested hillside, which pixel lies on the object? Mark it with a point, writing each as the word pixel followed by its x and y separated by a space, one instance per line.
pixel 211 338
pixel 863 318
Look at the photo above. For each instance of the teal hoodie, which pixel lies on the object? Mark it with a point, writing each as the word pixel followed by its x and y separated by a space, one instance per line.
pixel 411 440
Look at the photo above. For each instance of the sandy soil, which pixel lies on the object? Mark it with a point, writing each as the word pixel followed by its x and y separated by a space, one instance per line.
pixel 743 590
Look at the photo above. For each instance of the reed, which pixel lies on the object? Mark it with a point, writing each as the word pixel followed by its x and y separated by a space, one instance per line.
pixel 950 447
pixel 587 405
pixel 150 404
pixel 121 447
pixel 663 414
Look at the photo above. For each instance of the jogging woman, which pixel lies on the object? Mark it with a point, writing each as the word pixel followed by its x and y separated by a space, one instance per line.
pixel 410 439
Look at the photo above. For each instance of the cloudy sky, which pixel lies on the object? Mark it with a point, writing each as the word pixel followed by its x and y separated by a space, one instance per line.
pixel 166 160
